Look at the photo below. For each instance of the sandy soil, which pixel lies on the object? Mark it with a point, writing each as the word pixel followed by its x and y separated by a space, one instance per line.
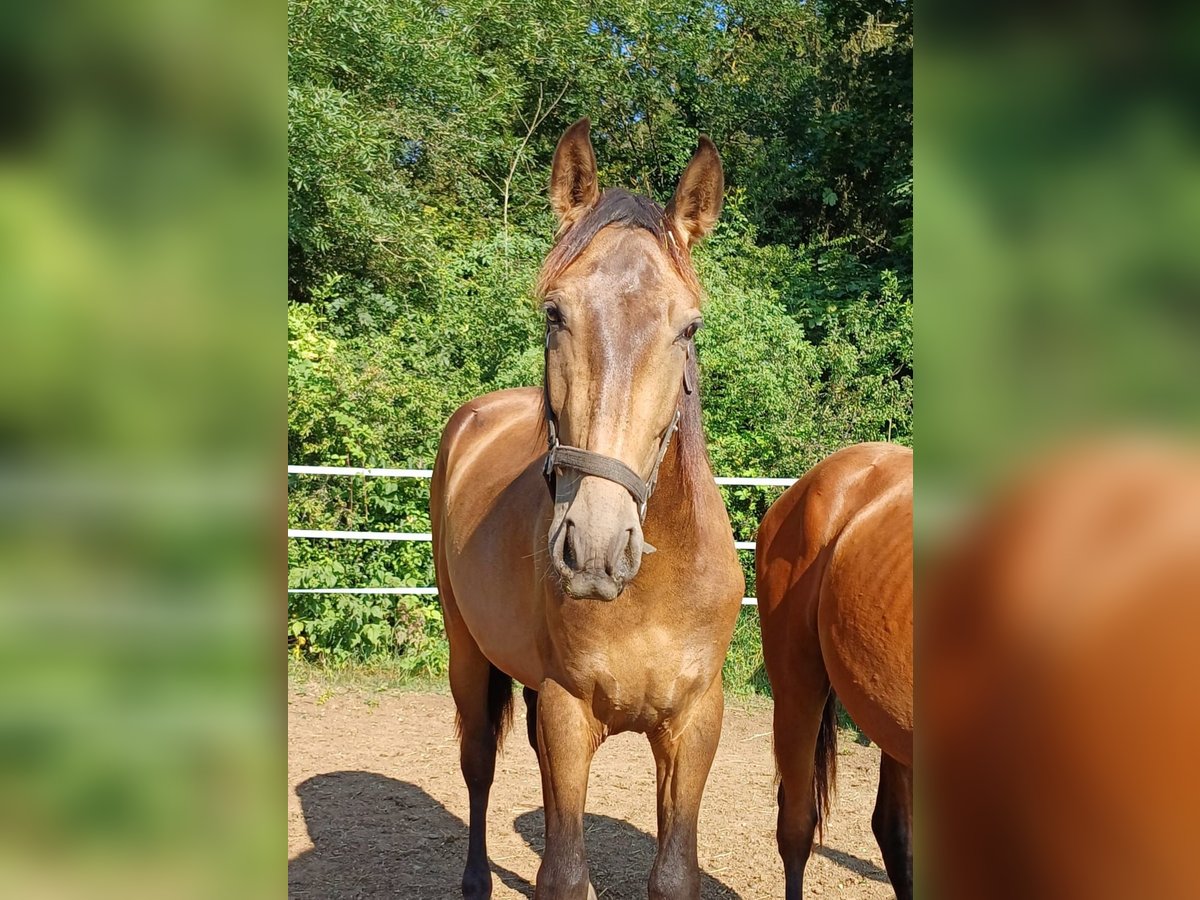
pixel 377 807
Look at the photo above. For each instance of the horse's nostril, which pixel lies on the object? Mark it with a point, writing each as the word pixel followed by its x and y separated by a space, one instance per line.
pixel 621 563
pixel 569 547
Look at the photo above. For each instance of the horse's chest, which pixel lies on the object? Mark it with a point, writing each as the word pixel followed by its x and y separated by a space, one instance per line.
pixel 638 676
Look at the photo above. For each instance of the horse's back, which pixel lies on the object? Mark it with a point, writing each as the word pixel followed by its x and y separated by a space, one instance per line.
pixel 802 525
pixel 835 581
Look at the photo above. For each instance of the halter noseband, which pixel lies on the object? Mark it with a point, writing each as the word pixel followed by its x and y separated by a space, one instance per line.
pixel 564 456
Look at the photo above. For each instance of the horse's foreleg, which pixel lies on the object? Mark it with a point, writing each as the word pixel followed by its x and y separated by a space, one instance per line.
pixel 892 824
pixel 567 736
pixel 479 693
pixel 682 761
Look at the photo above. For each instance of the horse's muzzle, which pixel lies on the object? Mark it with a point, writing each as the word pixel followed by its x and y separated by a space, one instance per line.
pixel 596 547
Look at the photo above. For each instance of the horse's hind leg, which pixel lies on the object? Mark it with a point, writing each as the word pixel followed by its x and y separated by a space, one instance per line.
pixel 483 695
pixel 892 824
pixel 805 729
pixel 682 762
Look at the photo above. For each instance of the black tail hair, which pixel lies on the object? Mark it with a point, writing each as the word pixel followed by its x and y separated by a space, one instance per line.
pixel 499 706
pixel 500 703
pixel 825 762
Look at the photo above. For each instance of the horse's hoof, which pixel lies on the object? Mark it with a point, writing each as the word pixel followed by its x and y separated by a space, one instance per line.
pixel 477 885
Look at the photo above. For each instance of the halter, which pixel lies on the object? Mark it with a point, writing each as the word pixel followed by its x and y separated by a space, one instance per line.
pixel 564 456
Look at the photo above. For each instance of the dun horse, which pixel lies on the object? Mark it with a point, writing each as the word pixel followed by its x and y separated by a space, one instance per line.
pixel 612 596
pixel 834 567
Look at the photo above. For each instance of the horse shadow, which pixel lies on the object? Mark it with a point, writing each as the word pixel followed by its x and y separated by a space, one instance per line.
pixel 855 864
pixel 376 837
pixel 619 856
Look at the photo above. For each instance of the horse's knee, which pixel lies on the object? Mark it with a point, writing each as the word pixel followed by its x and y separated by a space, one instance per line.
pixel 794 832
pixel 796 825
pixel 477 760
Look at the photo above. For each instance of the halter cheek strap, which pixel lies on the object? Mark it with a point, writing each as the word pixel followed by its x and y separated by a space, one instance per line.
pixel 564 456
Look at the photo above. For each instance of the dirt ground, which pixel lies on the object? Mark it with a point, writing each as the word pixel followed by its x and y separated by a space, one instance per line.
pixel 377 807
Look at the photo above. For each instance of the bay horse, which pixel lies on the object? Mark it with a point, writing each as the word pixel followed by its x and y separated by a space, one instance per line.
pixel 834 583
pixel 613 595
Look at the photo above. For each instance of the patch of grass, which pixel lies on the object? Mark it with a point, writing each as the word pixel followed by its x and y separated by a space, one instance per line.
pixel 744 673
pixel 375 676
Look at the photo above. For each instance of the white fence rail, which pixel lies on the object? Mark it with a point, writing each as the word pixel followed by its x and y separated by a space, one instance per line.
pixel 428 473
pixel 316 534
pixel 361 535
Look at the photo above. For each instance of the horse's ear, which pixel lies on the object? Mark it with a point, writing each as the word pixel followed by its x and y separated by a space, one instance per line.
pixel 573 188
pixel 693 210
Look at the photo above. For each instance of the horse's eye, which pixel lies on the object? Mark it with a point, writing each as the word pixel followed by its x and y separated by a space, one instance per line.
pixel 553 316
pixel 690 331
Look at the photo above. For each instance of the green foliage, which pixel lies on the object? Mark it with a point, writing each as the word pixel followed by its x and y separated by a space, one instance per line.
pixel 743 672
pixel 336 628
pixel 420 140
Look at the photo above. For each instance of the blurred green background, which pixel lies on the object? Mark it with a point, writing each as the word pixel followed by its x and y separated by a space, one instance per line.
pixel 1058 173
pixel 141 410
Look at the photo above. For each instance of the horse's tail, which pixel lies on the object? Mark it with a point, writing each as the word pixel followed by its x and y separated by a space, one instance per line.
pixel 825 762
pixel 499 706
pixel 499 703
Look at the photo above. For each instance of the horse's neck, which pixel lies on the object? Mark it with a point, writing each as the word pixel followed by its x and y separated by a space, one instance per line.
pixel 680 508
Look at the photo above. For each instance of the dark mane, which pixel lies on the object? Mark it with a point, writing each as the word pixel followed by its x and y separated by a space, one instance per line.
pixel 691 449
pixel 616 207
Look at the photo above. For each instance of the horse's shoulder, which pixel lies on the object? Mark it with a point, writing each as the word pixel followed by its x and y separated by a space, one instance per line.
pixel 483 416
